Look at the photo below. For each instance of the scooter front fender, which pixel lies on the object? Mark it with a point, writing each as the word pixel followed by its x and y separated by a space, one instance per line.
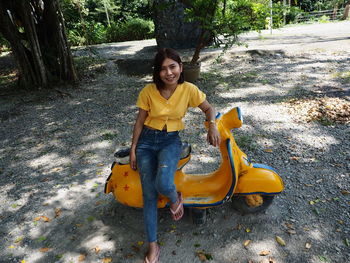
pixel 259 179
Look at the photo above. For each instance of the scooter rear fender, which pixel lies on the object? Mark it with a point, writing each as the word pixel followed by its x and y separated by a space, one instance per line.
pixel 125 184
pixel 259 179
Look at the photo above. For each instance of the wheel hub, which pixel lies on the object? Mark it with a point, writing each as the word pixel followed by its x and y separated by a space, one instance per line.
pixel 254 200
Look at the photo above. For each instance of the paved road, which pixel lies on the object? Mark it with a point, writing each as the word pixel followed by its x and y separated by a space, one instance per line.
pixel 333 36
pixel 328 36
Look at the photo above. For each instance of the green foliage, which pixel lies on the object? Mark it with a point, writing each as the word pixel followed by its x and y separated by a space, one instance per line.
pixel 292 13
pixel 132 29
pixel 312 5
pixel 98 21
pixel 324 19
pixel 87 33
pixel 4 44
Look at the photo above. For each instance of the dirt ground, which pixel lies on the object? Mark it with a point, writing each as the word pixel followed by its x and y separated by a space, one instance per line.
pixel 56 148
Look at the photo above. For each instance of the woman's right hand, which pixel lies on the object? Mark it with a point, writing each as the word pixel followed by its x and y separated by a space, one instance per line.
pixel 133 160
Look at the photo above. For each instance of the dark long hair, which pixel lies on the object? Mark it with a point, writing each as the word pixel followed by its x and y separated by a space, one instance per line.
pixel 158 62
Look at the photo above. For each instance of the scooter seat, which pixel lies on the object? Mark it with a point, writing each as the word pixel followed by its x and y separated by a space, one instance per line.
pixel 122 155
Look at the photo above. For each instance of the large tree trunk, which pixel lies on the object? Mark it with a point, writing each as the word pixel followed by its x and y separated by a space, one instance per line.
pixel 35 30
pixel 171 29
pixel 346 11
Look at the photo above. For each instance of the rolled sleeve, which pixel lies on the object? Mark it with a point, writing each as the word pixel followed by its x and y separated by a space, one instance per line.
pixel 143 100
pixel 197 97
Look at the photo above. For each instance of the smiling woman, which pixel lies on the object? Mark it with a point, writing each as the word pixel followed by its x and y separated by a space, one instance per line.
pixel 156 144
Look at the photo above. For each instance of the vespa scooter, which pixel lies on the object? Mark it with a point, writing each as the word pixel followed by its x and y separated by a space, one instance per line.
pixel 250 186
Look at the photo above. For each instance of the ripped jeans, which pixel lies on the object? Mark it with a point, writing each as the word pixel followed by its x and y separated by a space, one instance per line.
pixel 157 155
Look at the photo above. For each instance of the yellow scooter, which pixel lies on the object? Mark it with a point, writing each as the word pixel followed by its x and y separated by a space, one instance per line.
pixel 251 186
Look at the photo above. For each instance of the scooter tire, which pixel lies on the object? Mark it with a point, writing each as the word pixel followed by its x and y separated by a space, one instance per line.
pixel 239 203
pixel 199 216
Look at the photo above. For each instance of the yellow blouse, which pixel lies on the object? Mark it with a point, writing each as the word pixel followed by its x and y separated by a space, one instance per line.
pixel 170 111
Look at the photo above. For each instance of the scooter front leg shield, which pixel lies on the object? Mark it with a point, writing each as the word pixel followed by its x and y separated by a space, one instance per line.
pixel 259 179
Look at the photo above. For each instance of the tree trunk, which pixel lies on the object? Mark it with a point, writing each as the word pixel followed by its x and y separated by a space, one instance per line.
pixel 346 11
pixel 171 29
pixel 35 30
pixel 335 10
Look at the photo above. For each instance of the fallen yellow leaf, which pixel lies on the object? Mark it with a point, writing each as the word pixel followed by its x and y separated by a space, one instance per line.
pixel 201 256
pixel 289 225
pixel 37 218
pixel 248 230
pixel 107 260
pixel 18 239
pixel 57 212
pixel 268 150
pixel 239 227
pixel 81 257
pixel 345 192
pixel 246 243
pixel 280 241
pixel 44 249
pixel 97 249
pixel 264 253
pixel 140 243
pixel 23 261
pixel 46 219
pixel 12 246
pixel 295 158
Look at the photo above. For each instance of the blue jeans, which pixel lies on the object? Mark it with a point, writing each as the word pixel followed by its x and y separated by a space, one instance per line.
pixel 157 155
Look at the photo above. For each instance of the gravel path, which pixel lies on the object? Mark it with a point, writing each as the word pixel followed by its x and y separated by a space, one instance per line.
pixel 56 149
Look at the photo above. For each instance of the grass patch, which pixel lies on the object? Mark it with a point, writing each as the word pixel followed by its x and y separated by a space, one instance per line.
pixel 343 76
pixel 87 66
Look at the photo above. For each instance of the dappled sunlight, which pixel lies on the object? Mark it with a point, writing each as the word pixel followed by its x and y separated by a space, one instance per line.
pixel 259 91
pixel 57 152
pixel 95 145
pixel 49 160
pixel 316 234
pixel 99 240
pixel 313 139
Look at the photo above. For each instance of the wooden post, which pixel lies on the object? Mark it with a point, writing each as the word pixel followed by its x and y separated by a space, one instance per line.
pixel 271 22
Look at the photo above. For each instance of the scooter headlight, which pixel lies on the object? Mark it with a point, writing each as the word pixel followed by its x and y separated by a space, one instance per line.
pixel 122 155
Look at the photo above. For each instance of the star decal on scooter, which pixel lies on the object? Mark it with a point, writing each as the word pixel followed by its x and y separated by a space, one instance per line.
pixel 126 187
pixel 126 174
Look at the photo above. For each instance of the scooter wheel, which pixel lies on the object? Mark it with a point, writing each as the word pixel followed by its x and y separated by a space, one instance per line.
pixel 198 216
pixel 241 205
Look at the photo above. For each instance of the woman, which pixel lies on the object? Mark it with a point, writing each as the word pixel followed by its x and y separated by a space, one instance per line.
pixel 156 144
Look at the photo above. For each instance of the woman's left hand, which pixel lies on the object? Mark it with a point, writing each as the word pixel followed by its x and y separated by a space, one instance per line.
pixel 213 136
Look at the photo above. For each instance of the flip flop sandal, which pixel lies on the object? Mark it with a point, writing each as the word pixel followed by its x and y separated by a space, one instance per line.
pixel 155 260
pixel 179 211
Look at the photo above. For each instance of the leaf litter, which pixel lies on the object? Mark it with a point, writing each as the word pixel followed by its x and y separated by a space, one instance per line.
pixel 329 109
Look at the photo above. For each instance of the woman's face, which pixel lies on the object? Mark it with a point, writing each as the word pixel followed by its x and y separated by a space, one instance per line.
pixel 170 72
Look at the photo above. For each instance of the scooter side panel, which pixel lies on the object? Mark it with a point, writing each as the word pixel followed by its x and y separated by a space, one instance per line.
pixel 258 180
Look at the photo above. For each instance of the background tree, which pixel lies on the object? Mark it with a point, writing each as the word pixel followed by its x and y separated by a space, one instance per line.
pixel 346 10
pixel 36 32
